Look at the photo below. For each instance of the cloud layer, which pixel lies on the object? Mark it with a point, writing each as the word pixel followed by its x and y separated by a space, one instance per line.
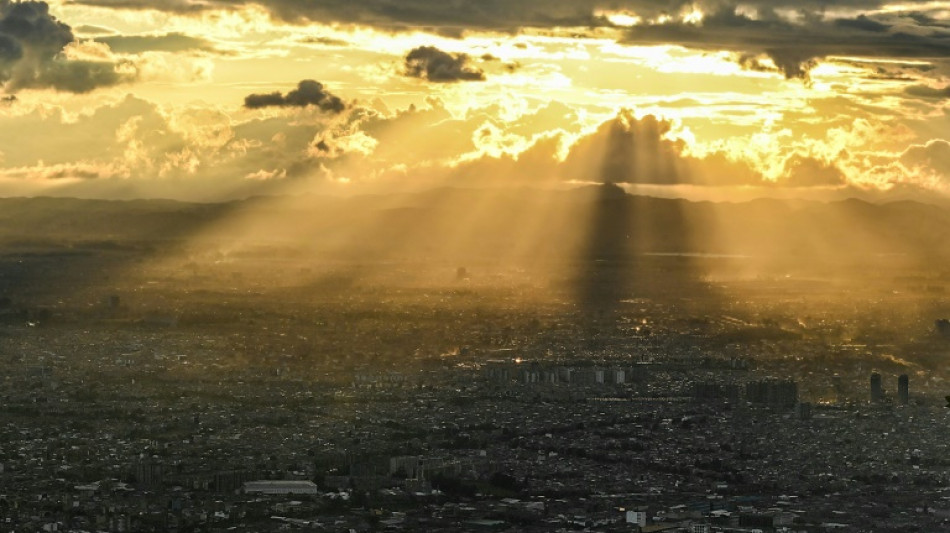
pixel 577 109
pixel 790 34
pixel 134 148
pixel 793 43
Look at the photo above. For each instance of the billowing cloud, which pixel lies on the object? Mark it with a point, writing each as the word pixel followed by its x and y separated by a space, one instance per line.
pixel 802 171
pixel 933 157
pixel 136 148
pixel 307 93
pixel 627 150
pixel 430 63
pixel 639 151
pixel 32 46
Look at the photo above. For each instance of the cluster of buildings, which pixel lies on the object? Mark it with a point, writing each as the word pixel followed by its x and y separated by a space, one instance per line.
pixel 634 428
pixel 529 373
pixel 877 389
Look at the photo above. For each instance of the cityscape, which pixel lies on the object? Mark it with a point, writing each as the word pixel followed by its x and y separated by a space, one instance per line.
pixel 203 396
pixel 529 266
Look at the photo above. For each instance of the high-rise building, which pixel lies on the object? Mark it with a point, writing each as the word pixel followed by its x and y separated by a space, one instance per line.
pixel 877 390
pixel 774 392
pixel 903 389
pixel 803 410
pixel 148 474
pixel 837 385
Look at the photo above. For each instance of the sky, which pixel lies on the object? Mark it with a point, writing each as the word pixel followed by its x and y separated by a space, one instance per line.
pixel 209 100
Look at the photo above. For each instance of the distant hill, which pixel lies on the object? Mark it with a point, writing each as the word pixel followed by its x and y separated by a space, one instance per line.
pixel 595 223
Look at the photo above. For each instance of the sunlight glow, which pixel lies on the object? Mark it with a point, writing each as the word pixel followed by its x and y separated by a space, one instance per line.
pixel 620 18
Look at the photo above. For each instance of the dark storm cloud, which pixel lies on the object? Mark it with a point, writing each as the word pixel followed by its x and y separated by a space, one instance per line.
pixel 32 27
pixel 307 93
pixel 31 46
pixel 10 50
pixel 430 63
pixel 170 42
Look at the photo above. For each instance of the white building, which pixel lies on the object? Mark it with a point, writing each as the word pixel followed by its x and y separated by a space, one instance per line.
pixel 637 517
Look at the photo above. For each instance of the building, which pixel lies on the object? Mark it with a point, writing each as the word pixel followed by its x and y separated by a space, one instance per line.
pixel 564 374
pixel 903 389
pixel 588 376
pixel 420 467
pixel 705 391
pixel 837 385
pixel 498 372
pixel 803 411
pixel 231 480
pixel 637 517
pixel 616 376
pixel 943 327
pixel 280 487
pixel 877 389
pixel 148 474
pixel 772 392
pixel 530 375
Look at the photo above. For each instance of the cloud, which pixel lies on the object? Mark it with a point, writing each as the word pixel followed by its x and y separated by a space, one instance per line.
pixel 135 147
pixel 73 76
pixel 803 171
pixel 627 150
pixel 933 156
pixel 32 46
pixel 794 44
pixel 622 150
pixel 307 93
pixel 112 132
pixel 639 151
pixel 447 18
pixel 926 91
pixel 430 63
pixel 89 29
pixel 792 34
pixel 169 42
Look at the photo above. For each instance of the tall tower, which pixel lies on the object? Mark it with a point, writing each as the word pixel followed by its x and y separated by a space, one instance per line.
pixel 877 391
pixel 903 389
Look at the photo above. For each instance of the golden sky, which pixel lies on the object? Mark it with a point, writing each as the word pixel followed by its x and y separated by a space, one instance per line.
pixel 217 99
